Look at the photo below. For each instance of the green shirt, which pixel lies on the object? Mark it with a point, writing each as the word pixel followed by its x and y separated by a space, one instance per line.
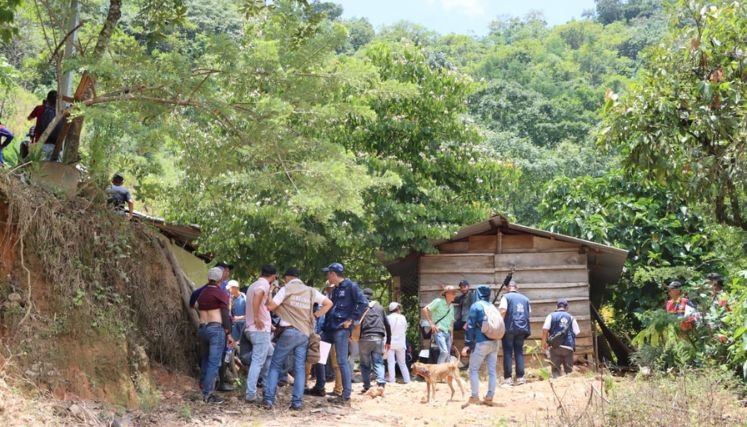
pixel 440 309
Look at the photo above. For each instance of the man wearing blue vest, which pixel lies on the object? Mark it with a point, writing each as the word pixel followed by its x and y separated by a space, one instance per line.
pixel 515 309
pixel 555 324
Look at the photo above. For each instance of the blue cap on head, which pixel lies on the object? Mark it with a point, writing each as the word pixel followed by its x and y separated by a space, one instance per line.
pixel 483 292
pixel 335 267
pixel 562 302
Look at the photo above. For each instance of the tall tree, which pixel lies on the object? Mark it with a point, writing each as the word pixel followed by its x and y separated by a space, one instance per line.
pixel 682 123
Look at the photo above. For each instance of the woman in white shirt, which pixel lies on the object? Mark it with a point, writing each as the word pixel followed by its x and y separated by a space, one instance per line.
pixel 397 350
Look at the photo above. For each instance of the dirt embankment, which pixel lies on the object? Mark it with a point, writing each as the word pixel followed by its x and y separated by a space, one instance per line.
pixel 87 300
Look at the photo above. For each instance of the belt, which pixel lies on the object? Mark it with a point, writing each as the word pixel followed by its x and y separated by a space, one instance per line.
pixel 208 324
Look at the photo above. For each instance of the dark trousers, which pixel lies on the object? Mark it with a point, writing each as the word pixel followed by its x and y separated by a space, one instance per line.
pixel 561 357
pixel 513 345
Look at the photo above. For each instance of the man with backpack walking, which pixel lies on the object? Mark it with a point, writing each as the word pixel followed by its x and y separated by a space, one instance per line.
pixel 515 309
pixel 484 329
pixel 559 332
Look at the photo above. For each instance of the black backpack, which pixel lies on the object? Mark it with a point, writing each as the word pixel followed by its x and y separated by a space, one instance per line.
pixel 45 120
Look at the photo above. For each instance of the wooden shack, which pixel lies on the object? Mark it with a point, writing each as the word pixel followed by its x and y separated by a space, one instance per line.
pixel 547 266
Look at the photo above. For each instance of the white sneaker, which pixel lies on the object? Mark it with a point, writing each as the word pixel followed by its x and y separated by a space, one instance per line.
pixel 507 383
pixel 521 381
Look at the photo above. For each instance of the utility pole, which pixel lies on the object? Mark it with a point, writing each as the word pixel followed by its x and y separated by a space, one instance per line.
pixel 67 77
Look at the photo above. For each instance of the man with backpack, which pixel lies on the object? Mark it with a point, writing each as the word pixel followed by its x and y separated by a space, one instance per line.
pixel 559 332
pixel 515 309
pixel 484 329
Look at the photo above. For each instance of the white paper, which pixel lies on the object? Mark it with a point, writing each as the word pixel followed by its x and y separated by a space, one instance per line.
pixel 324 348
pixel 424 354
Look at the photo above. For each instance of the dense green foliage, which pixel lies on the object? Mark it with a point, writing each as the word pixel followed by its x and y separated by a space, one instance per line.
pixel 683 121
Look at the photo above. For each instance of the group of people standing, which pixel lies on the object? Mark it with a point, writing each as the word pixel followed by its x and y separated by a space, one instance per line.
pixel 464 308
pixel 283 327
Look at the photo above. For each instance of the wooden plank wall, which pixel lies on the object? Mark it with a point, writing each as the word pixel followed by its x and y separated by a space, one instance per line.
pixel 545 270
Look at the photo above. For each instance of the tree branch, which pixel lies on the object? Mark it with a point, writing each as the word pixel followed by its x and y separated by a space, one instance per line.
pixel 62 42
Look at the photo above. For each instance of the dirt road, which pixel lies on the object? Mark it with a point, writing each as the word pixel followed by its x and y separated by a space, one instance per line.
pixel 534 403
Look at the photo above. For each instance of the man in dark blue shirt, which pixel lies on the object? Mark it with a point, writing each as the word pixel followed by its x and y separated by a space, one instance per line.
pixel 349 304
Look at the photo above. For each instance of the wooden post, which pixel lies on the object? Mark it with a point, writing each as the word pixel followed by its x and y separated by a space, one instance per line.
pixel 396 288
pixel 499 242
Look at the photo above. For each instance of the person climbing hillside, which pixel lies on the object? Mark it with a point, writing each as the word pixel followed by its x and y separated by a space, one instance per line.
pixel 119 195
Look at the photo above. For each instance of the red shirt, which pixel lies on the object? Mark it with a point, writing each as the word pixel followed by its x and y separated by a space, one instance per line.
pixel 211 298
pixel 36 113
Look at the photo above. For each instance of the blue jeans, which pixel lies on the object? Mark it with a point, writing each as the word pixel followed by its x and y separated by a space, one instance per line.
pixel 237 329
pixel 213 341
pixel 291 341
pixel 339 339
pixel 483 350
pixel 513 344
pixel 372 356
pixel 260 361
pixel 443 340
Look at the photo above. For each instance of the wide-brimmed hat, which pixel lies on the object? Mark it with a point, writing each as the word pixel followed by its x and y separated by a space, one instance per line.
pixel 448 288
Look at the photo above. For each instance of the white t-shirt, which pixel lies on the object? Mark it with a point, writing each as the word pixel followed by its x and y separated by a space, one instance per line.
pixel 398 324
pixel 574 325
pixel 280 297
pixel 504 305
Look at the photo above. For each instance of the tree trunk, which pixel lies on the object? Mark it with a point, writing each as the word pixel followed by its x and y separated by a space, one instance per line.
pixel 85 89
pixel 621 350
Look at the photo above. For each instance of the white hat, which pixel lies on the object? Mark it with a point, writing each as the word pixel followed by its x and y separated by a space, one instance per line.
pixel 393 306
pixel 215 274
pixel 232 284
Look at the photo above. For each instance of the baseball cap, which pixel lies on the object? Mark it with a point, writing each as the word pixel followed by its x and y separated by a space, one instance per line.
pixel 232 284
pixel 215 274
pixel 674 285
pixel 368 292
pixel 463 283
pixel 563 302
pixel 292 271
pixel 335 267
pixel 393 306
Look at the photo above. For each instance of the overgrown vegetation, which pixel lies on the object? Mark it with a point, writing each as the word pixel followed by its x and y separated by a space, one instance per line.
pixel 79 271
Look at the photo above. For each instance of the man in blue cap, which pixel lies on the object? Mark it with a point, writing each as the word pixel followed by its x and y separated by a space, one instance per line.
pixel 559 331
pixel 480 348
pixel 349 304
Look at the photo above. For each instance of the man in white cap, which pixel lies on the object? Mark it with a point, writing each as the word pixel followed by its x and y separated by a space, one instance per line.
pixel 398 348
pixel 214 333
pixel 238 309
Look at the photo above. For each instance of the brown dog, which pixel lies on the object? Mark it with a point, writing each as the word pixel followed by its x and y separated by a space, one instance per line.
pixel 433 374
